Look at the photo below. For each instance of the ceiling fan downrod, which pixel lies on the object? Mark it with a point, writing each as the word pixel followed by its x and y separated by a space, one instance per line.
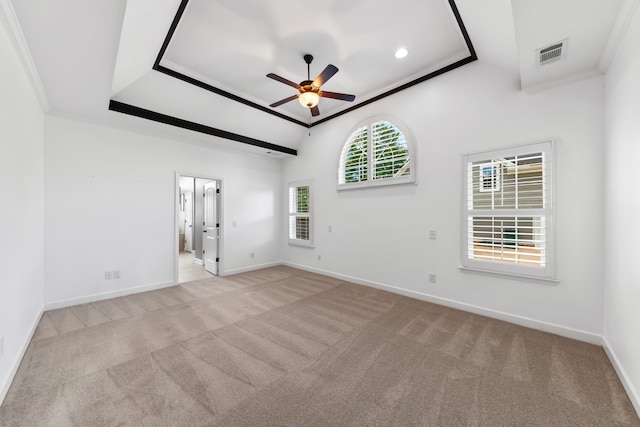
pixel 308 59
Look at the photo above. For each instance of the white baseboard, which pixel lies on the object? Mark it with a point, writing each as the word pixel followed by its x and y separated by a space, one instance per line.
pixel 633 394
pixel 494 314
pixel 18 360
pixel 106 295
pixel 251 268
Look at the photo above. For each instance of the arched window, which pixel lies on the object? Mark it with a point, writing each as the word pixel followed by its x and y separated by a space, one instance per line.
pixel 377 152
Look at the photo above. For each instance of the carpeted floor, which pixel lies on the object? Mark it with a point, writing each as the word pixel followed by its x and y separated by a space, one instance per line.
pixel 283 347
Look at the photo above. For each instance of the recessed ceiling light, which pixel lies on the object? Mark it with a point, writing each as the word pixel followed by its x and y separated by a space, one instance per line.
pixel 402 52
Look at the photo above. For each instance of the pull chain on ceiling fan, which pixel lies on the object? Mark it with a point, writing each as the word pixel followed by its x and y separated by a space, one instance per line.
pixel 310 92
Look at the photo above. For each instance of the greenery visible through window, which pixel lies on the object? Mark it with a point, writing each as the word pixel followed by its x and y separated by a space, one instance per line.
pixel 300 214
pixel 356 166
pixel 380 147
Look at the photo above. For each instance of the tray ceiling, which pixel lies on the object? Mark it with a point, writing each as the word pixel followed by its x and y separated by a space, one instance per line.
pixel 96 59
pixel 227 48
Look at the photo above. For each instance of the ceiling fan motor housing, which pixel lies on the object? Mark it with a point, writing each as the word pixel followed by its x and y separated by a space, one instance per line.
pixel 310 89
pixel 307 86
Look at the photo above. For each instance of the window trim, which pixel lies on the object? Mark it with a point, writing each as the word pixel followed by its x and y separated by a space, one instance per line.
pixel 300 242
pixel 543 274
pixel 371 182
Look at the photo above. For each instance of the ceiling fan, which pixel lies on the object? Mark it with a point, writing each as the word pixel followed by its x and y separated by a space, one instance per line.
pixel 310 92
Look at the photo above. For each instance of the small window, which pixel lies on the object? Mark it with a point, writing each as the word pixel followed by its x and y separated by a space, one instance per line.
pixel 300 214
pixel 490 177
pixel 377 152
pixel 508 211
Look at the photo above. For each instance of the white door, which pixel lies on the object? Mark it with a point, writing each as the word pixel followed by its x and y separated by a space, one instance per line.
pixel 210 229
pixel 188 221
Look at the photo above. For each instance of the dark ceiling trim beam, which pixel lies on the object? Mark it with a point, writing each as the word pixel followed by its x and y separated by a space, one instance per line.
pixel 131 110
pixel 172 30
pixel 226 94
pixel 398 89
pixel 203 85
pixel 463 30
pixel 472 57
pixel 454 9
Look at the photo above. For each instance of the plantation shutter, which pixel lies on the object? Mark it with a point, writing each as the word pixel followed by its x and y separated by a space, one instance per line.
pixel 299 214
pixel 376 153
pixel 508 211
pixel 390 152
pixel 354 163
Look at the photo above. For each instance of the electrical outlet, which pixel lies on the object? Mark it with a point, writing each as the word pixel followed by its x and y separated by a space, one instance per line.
pixel 116 274
pixel 432 277
pixel 330 229
pixel 235 224
pixel 108 275
pixel 252 255
pixel 432 234
pixel 319 257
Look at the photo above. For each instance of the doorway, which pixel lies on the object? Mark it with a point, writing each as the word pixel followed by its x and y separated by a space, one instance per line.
pixel 198 220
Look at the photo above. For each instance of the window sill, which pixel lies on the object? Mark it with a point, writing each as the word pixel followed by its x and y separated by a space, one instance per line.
pixel 543 280
pixel 375 184
pixel 300 244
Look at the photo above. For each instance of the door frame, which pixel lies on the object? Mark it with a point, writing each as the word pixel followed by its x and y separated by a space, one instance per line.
pixel 211 260
pixel 176 221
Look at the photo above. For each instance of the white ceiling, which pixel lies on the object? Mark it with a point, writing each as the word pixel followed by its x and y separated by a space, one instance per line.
pixel 234 45
pixel 89 52
pixel 586 25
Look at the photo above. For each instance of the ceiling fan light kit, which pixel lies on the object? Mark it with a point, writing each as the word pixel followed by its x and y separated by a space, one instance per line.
pixel 310 92
pixel 309 99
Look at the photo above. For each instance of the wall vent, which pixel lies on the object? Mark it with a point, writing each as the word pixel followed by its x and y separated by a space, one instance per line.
pixel 551 53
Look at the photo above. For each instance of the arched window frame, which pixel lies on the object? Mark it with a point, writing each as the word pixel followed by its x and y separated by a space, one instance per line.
pixel 370 181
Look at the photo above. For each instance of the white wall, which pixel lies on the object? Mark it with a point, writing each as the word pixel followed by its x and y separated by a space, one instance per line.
pixel 622 201
pixel 380 235
pixel 109 197
pixel 21 214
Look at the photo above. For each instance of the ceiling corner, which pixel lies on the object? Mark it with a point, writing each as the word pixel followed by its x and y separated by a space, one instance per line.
pixel 627 11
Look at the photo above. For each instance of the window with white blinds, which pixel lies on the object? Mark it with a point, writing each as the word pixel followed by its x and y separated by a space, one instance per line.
pixel 508 211
pixel 377 152
pixel 300 214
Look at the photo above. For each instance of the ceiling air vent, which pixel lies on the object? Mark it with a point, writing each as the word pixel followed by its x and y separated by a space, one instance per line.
pixel 551 53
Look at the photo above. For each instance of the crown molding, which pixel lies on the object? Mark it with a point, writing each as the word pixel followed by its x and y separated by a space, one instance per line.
pixel 561 81
pixel 10 22
pixel 627 11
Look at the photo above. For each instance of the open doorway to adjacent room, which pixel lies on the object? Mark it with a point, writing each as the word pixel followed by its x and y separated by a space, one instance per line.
pixel 198 207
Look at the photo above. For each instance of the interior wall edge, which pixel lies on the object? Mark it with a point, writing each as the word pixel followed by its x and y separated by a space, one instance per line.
pixel 106 295
pixel 250 268
pixel 10 21
pixel 564 331
pixel 618 33
pixel 634 395
pixel 4 387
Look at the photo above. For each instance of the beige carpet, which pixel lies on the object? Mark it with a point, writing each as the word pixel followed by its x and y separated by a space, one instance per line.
pixel 282 347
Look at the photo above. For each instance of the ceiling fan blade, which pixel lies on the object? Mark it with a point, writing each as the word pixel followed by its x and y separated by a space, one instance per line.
pixel 315 111
pixel 325 75
pixel 284 101
pixel 283 80
pixel 340 96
